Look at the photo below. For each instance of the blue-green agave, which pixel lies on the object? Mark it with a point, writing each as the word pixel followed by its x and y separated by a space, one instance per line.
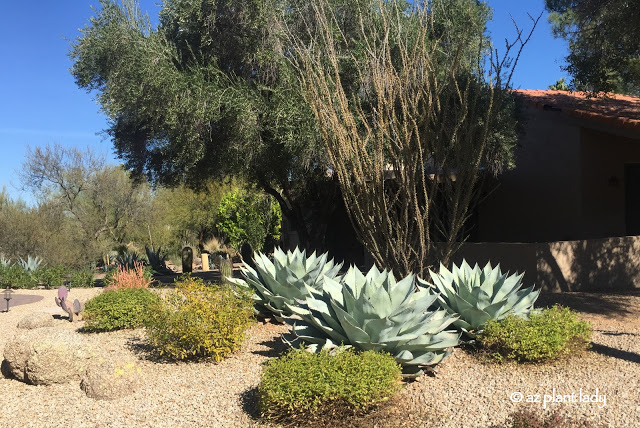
pixel 285 280
pixel 479 295
pixel 375 312
pixel 32 264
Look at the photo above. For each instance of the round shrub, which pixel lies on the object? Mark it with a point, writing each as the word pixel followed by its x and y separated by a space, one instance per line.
pixel 197 320
pixel 51 276
pixel 118 309
pixel 302 385
pixel 548 334
pixel 82 278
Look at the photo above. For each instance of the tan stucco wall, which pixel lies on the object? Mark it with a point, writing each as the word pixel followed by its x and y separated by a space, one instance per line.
pixel 603 159
pixel 568 183
pixel 585 265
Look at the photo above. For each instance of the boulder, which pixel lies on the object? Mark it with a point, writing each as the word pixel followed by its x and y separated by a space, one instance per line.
pixel 108 380
pixel 36 320
pixel 45 356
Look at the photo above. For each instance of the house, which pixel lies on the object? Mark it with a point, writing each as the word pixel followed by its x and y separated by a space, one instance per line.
pixel 569 213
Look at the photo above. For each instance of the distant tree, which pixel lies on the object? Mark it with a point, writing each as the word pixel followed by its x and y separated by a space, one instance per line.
pixel 101 199
pixel 208 94
pixel 560 85
pixel 604 47
pixel 183 216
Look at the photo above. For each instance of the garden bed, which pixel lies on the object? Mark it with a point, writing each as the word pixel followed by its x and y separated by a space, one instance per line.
pixel 464 392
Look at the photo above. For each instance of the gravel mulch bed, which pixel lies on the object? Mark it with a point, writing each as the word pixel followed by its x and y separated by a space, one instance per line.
pixel 464 392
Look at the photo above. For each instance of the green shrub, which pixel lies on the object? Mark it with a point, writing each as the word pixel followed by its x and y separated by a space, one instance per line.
pixel 245 216
pixel 82 278
pixel 199 321
pixel 118 309
pixel 51 276
pixel 16 277
pixel 548 334
pixel 303 385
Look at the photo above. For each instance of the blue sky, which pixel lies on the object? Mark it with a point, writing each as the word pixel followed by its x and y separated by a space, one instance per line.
pixel 40 103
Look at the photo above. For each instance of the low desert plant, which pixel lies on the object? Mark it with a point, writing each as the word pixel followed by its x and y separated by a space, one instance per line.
pixel 118 309
pixel 302 385
pixel 51 276
pixel 16 277
pixel 548 334
pixel 213 245
pixel 82 278
pixel 197 320
pixel 123 277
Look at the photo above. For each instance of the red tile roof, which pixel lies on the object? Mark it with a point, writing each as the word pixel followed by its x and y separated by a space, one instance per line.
pixel 615 110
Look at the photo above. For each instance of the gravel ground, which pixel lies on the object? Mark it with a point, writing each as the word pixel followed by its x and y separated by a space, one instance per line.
pixel 464 392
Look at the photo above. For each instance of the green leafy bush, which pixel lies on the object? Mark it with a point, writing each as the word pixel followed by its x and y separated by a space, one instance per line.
pixel 249 217
pixel 302 385
pixel 197 320
pixel 548 334
pixel 82 278
pixel 16 277
pixel 51 276
pixel 118 309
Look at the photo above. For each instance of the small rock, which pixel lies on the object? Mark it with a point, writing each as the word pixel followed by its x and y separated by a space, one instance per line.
pixel 108 380
pixel 36 320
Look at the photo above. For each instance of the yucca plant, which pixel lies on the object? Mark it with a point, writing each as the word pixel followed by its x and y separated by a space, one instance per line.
pixel 479 295
pixel 286 279
pixel 30 265
pixel 374 312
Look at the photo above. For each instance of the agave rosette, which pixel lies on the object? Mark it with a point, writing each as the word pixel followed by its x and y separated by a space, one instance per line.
pixel 285 279
pixel 479 295
pixel 374 312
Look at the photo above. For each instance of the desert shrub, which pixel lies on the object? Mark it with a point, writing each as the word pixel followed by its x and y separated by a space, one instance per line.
pixel 51 276
pixel 548 334
pixel 123 277
pixel 82 278
pixel 16 277
pixel 118 309
pixel 197 320
pixel 245 216
pixel 303 385
pixel 530 419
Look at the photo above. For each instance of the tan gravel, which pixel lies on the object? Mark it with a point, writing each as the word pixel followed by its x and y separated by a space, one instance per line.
pixel 464 393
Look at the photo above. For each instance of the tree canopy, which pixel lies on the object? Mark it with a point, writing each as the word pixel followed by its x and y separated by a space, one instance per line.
pixel 207 94
pixel 604 43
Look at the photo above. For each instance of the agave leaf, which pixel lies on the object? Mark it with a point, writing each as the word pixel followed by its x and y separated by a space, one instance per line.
pixel 402 290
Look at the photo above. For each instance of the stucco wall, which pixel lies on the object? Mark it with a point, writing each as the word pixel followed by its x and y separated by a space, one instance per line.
pixel 540 199
pixel 568 183
pixel 610 264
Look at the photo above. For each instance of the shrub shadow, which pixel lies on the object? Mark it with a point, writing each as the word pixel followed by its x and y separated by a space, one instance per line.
pixel 585 302
pixel 249 401
pixel 616 353
pixel 144 351
pixel 276 347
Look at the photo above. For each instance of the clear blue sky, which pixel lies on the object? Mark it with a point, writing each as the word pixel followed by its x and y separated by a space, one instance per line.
pixel 40 103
